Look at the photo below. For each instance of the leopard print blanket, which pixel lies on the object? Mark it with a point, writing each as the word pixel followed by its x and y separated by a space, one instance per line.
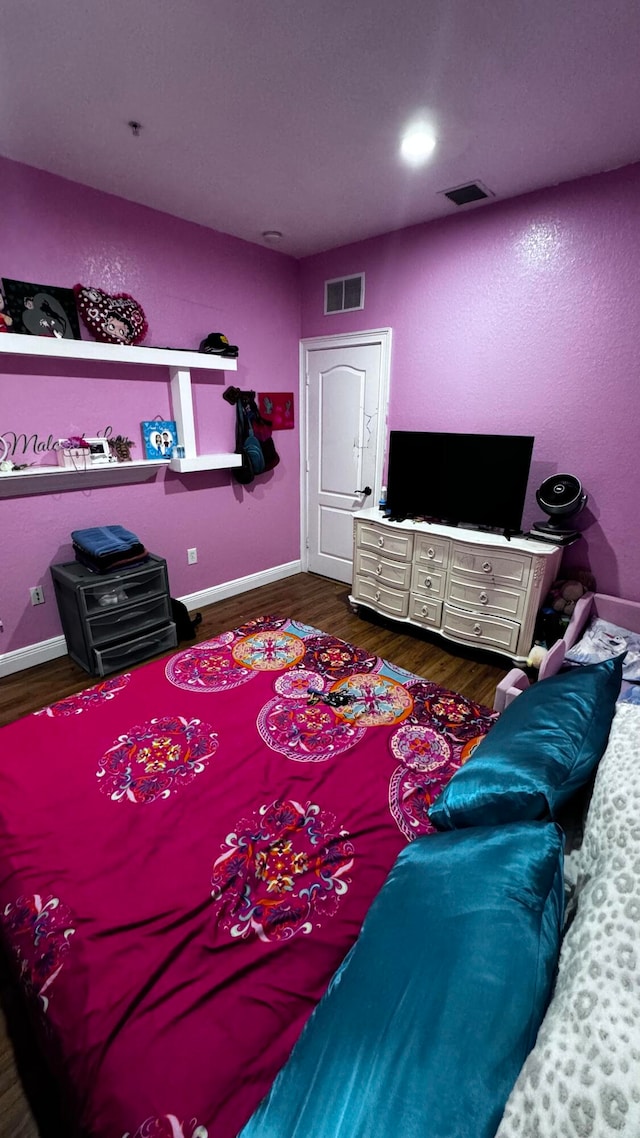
pixel 582 1079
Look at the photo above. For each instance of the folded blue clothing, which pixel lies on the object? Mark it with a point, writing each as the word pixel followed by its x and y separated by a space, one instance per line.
pixel 100 540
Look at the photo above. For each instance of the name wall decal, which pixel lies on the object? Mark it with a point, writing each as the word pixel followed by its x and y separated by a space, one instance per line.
pixel 37 445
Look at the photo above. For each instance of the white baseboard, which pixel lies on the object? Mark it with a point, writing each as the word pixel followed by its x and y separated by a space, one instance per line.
pixel 32 654
pixel 241 585
pixel 46 650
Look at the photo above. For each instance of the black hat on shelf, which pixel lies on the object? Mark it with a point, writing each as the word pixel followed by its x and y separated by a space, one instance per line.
pixel 216 344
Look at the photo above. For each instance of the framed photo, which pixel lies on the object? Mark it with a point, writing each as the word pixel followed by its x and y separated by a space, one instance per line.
pixel 278 407
pixel 99 452
pixel 41 310
pixel 160 436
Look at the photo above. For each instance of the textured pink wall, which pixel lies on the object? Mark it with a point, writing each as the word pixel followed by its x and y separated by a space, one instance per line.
pixel 190 281
pixel 522 317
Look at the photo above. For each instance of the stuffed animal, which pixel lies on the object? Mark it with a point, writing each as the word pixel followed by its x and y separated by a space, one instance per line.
pixel 565 593
pixel 536 656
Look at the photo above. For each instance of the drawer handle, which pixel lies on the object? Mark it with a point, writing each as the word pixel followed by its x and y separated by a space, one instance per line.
pixel 425 610
pixel 483 598
pixel 431 552
pixel 428 582
pixel 381 542
pixel 377 594
pixel 477 628
pixel 378 570
pixel 487 567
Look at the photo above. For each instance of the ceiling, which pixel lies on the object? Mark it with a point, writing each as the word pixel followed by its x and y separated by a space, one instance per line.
pixel 287 114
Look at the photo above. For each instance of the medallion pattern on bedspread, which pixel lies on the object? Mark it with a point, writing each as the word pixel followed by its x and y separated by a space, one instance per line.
pixel 39 931
pixel 281 871
pixel 268 650
pixel 335 658
pixel 305 732
pixel 153 759
pixel 457 716
pixel 372 700
pixel 428 760
pixel 168 1126
pixel 88 699
pixel 208 667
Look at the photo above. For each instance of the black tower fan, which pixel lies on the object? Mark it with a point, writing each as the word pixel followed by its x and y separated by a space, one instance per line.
pixel 561 497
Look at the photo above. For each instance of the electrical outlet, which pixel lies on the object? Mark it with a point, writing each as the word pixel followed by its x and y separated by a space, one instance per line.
pixel 37 595
pixel 192 556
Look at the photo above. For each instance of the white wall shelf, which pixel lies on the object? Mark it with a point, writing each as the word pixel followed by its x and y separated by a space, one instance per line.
pixel 205 462
pixel 46 347
pixel 52 479
pixel 47 479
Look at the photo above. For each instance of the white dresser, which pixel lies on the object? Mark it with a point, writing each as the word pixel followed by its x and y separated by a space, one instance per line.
pixel 471 587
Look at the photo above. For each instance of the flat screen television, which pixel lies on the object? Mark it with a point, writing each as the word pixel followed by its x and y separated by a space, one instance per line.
pixel 475 480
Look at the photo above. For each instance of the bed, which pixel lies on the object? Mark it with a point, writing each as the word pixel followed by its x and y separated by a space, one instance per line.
pixel 592 607
pixel 187 853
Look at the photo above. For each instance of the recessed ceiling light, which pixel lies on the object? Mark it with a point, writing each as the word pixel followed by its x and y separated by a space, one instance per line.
pixel 417 144
pixel 272 236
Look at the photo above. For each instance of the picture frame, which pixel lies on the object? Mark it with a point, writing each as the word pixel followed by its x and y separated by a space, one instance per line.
pixel 159 436
pixel 99 452
pixel 277 406
pixel 41 310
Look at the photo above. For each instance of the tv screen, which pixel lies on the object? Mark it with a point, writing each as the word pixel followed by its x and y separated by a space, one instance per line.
pixel 476 480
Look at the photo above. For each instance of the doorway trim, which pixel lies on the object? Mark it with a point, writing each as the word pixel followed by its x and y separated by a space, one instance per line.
pixel 380 336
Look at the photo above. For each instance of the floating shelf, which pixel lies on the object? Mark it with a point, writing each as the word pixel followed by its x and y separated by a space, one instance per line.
pixel 47 347
pixel 205 462
pixel 52 479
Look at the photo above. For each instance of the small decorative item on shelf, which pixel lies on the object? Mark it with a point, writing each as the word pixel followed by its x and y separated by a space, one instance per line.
pixel 160 436
pixel 120 448
pixel 73 452
pixel 115 319
pixel 41 310
pixel 5 320
pixel 215 344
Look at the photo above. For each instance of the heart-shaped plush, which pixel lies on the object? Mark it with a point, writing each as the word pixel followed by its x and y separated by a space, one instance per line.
pixel 112 319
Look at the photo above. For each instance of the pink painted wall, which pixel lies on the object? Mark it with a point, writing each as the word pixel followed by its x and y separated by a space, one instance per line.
pixel 521 317
pixel 190 281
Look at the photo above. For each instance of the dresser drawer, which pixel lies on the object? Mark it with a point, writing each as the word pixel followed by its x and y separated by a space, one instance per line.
pixel 431 552
pixel 394 573
pixel 428 582
pixel 382 598
pixel 382 539
pixel 424 611
pixel 121 656
pixel 487 631
pixel 114 589
pixel 503 568
pixel 123 623
pixel 483 597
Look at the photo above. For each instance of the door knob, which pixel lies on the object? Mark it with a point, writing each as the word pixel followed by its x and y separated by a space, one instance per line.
pixel 366 491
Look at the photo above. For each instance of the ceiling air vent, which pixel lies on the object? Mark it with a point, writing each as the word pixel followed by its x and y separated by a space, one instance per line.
pixel 345 294
pixel 472 192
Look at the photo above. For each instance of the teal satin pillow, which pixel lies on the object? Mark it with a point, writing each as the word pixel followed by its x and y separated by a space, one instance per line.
pixel 543 748
pixel 426 1024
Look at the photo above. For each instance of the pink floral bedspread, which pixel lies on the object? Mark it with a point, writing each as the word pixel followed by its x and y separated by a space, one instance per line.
pixel 187 853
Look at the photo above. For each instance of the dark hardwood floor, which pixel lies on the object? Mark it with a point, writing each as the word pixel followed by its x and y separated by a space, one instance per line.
pixel 27 1108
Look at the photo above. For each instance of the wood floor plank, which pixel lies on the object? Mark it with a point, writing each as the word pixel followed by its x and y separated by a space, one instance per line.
pixel 305 597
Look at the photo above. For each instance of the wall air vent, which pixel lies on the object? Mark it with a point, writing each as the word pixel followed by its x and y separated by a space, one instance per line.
pixel 345 294
pixel 471 192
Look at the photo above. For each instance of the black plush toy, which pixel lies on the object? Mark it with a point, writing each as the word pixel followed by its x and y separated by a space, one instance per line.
pixel 185 625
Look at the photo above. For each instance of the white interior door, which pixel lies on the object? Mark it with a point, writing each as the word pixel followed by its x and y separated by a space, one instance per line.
pixel 346 398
